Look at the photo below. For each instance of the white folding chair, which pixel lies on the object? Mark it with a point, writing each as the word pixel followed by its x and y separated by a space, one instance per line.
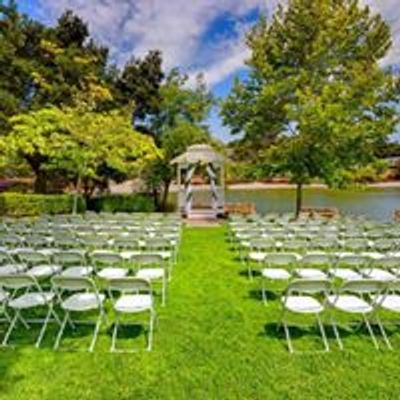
pixel 136 297
pixel 300 299
pixel 32 297
pixel 151 267
pixel 314 266
pixel 278 267
pixel 351 298
pixel 73 263
pixel 38 263
pixel 85 298
pixel 347 266
pixel 109 265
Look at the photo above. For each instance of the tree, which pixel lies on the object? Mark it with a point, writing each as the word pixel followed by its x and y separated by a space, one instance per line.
pixel 316 96
pixel 79 143
pixel 178 124
pixel 41 66
pixel 140 84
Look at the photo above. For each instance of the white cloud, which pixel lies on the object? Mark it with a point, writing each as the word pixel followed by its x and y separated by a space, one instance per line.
pixel 178 27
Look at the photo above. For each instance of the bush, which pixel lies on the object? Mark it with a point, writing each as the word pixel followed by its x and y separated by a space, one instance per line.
pixel 18 204
pixel 121 203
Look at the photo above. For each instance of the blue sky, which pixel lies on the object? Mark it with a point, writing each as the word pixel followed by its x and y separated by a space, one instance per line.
pixel 196 35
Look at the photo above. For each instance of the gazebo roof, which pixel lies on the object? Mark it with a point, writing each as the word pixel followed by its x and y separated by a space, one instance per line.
pixel 202 153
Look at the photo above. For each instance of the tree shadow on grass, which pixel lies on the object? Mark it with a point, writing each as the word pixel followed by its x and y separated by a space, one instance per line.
pixel 256 294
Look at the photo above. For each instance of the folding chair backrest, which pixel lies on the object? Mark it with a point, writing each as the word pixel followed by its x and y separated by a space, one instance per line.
pixel 106 258
pixel 363 286
pixel 262 244
pixel 323 260
pixel 353 260
pixel 73 283
pixel 32 257
pixel 130 285
pixel 309 286
pixel 388 262
pixel 70 257
pixel 158 244
pixel 281 259
pixel 18 281
pixel 146 259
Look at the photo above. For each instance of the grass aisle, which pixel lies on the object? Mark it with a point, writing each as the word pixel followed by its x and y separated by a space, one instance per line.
pixel 215 340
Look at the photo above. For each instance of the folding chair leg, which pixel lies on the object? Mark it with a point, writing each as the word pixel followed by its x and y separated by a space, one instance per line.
pixel 10 329
pixel 44 327
pixel 263 292
pixel 383 333
pixel 150 334
pixel 61 331
pixel 322 329
pixel 23 322
pixel 289 342
pixel 336 333
pixel 115 334
pixel 96 332
pixel 249 270
pixel 371 332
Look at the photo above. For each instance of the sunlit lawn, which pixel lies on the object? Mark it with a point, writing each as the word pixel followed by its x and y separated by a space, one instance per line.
pixel 215 340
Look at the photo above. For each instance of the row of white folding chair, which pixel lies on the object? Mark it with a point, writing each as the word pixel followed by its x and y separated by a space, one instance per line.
pixel 104 264
pixel 345 266
pixel 363 297
pixel 23 293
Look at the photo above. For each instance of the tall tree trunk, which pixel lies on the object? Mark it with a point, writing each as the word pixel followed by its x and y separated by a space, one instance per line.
pixel 76 195
pixel 156 201
pixel 299 199
pixel 165 194
pixel 40 184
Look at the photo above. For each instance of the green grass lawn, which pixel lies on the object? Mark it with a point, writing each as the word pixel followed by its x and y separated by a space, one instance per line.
pixel 215 340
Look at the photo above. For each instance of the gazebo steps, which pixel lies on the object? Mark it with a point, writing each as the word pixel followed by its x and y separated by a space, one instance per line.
pixel 202 214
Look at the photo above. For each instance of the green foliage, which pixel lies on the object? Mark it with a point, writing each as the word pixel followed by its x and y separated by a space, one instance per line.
pixel 121 203
pixel 85 145
pixel 178 125
pixel 316 91
pixel 17 204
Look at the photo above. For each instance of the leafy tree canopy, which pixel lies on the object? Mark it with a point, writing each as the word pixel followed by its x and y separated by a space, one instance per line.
pixel 316 92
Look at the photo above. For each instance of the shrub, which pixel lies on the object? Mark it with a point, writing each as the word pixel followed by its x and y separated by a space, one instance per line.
pixel 18 204
pixel 121 203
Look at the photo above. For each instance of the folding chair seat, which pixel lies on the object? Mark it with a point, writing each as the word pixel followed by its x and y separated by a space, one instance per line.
pixel 136 297
pixel 379 269
pixel 109 265
pixel 73 263
pixel 27 295
pixel 38 264
pixel 8 266
pixel 278 267
pixel 347 266
pixel 300 299
pixel 351 298
pixel 85 298
pixel 314 266
pixel 151 267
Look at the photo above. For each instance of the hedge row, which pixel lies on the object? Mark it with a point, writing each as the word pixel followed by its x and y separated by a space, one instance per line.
pixel 121 203
pixel 18 204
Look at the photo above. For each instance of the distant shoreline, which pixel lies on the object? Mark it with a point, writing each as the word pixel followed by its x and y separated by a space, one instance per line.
pixel 268 185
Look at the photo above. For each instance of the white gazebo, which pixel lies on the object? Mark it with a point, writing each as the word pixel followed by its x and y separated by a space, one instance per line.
pixel 200 155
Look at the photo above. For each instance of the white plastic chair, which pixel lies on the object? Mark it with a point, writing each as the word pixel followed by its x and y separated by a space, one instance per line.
pixel 350 298
pixel 151 267
pixel 136 298
pixel 109 265
pixel 85 298
pixel 300 299
pixel 314 266
pixel 32 297
pixel 278 267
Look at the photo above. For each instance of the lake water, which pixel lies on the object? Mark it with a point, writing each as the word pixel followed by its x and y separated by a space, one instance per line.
pixel 378 204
